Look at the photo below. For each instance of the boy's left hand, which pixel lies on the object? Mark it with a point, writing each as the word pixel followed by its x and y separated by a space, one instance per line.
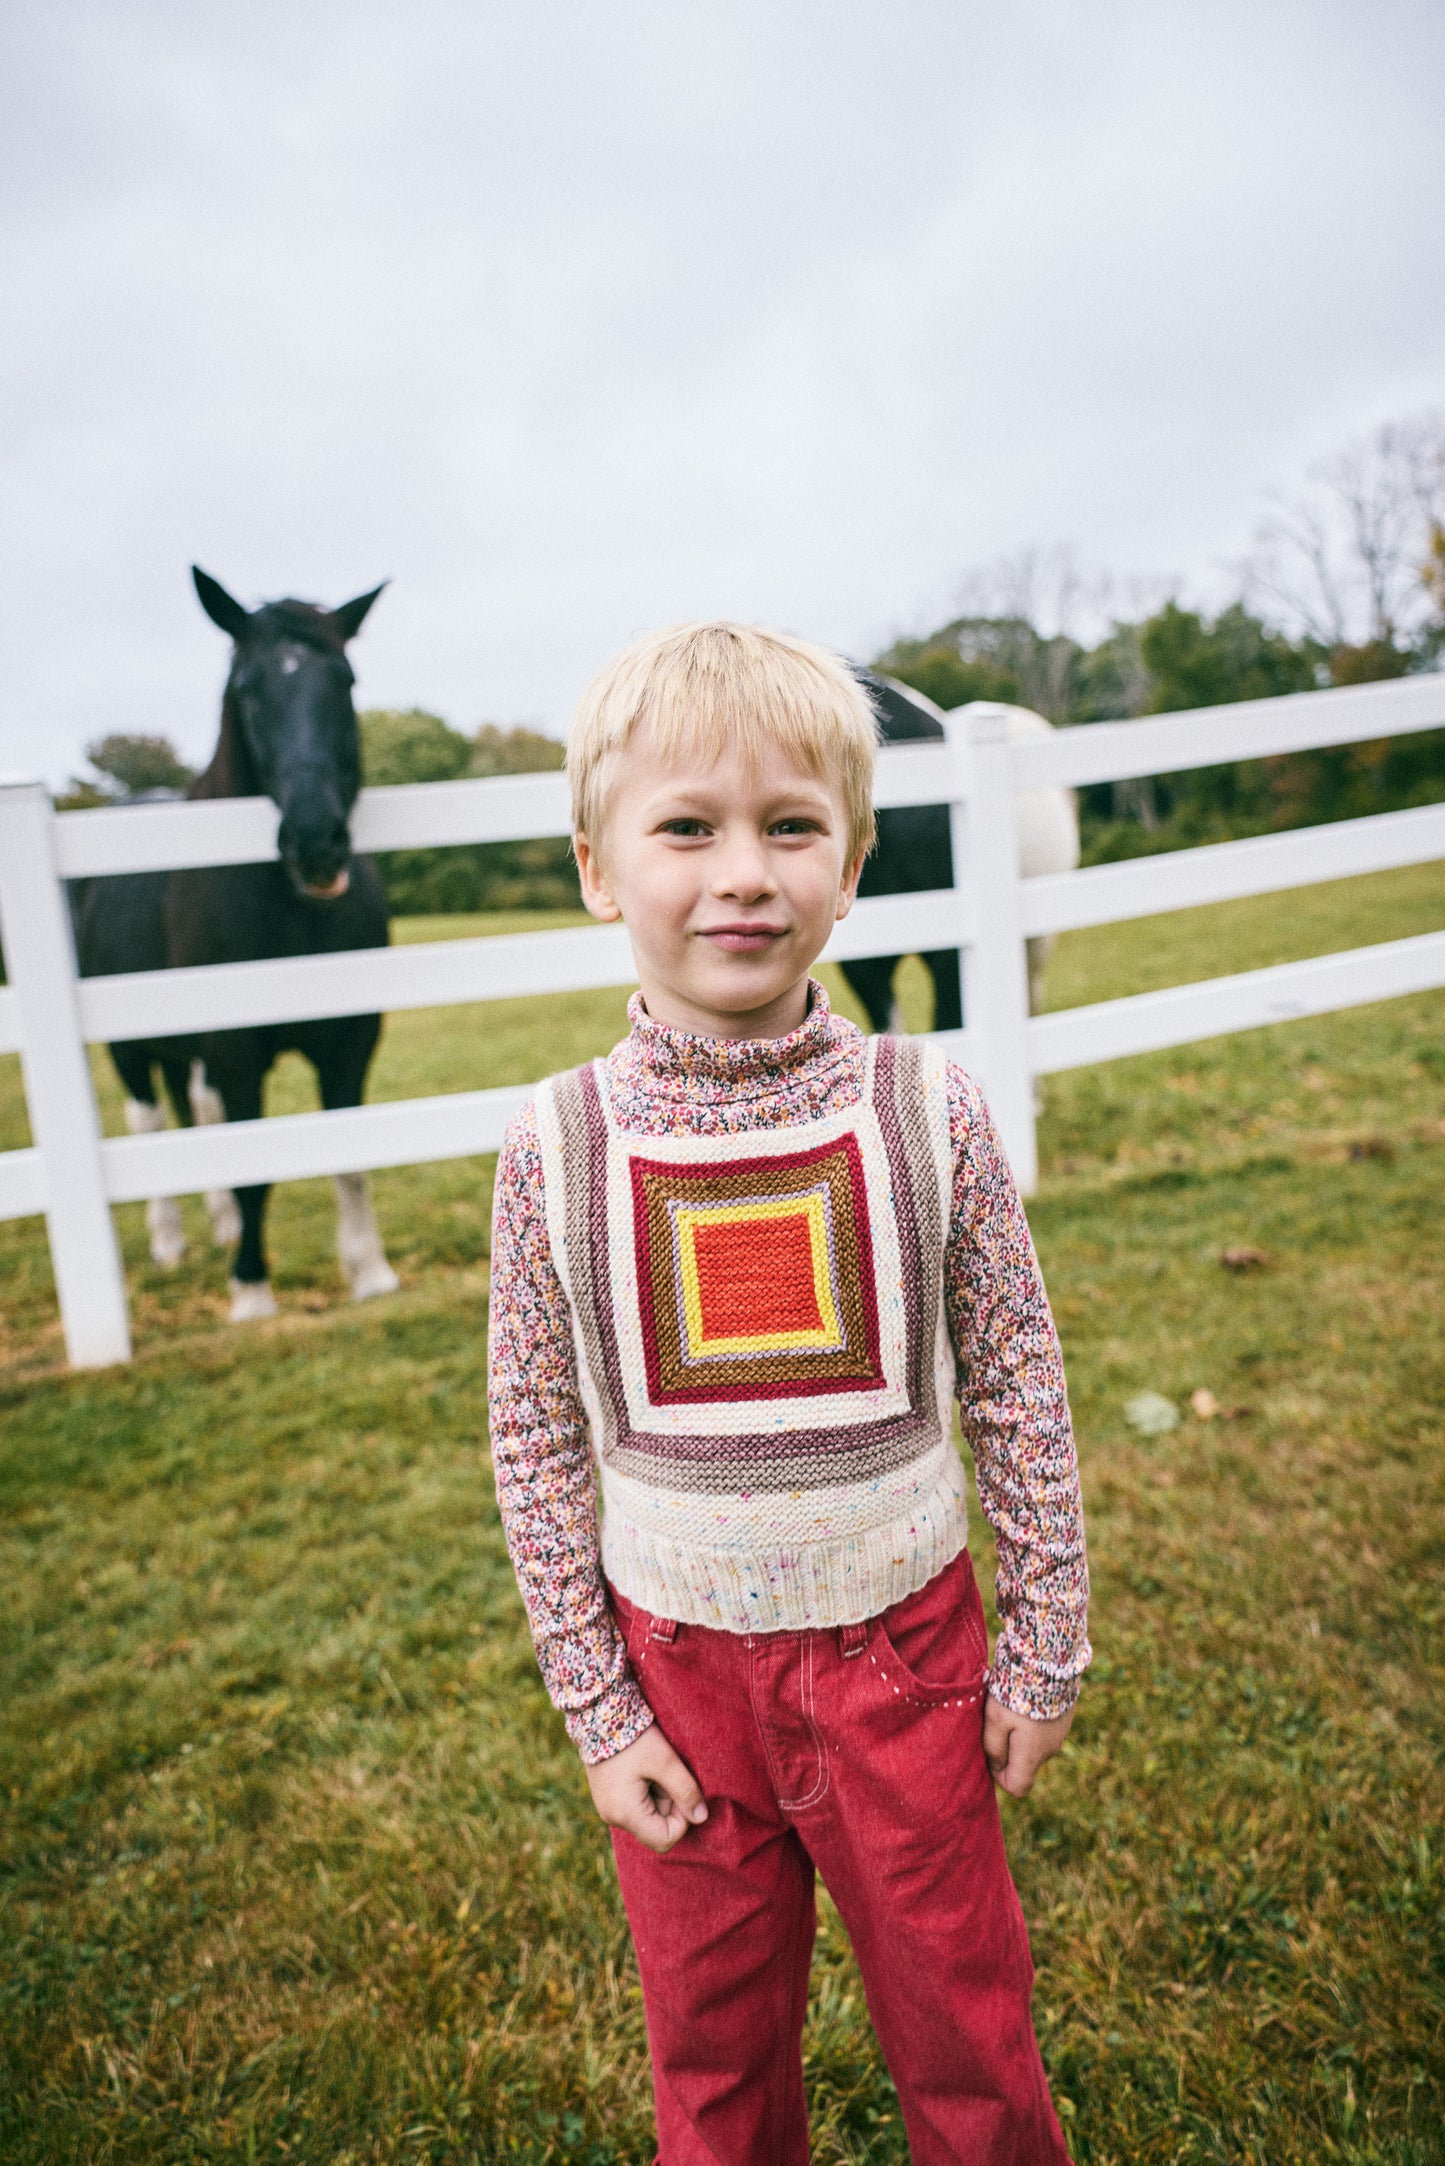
pixel 1016 1746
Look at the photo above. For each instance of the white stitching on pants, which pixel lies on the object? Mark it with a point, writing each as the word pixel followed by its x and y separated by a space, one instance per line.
pixel 819 1789
pixel 966 1699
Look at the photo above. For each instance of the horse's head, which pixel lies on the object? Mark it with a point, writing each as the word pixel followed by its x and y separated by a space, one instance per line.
pixel 289 699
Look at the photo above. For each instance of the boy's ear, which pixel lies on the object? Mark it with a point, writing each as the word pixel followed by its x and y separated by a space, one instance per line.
pixel 848 892
pixel 597 896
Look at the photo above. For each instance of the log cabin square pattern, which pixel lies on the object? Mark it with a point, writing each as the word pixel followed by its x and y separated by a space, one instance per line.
pixel 755 1280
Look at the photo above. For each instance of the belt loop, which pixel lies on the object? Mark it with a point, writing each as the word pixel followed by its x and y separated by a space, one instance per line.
pixel 852 1639
pixel 664 1629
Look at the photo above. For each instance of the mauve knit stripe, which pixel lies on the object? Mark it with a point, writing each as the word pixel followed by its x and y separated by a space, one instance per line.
pixel 580 1139
pixel 899 1103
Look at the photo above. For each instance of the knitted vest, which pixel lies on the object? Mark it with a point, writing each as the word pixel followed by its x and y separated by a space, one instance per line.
pixel 762 1350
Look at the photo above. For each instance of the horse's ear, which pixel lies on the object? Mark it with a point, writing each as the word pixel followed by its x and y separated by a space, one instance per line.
pixel 222 608
pixel 350 617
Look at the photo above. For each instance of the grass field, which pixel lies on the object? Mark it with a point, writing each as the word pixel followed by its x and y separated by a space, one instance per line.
pixel 295 1862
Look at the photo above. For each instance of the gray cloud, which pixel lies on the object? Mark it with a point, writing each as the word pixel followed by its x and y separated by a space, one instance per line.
pixel 577 319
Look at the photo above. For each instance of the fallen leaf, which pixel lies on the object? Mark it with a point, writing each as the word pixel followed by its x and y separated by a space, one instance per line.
pixel 1243 1259
pixel 1204 1403
pixel 1151 1413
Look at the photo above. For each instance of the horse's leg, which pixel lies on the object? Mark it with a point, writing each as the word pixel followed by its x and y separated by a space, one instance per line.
pixel 871 977
pixel 341 1071
pixel 1039 950
pixel 942 966
pixel 207 1107
pixel 145 1114
pixel 251 1295
pixel 358 1240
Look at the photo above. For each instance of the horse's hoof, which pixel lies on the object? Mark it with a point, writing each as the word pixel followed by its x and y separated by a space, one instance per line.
pixel 377 1278
pixel 251 1300
pixel 168 1253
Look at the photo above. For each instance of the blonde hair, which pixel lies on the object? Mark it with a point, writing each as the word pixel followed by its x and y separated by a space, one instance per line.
pixel 702 687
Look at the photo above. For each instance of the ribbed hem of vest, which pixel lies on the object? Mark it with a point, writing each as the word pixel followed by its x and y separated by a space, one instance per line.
pixel 788 1590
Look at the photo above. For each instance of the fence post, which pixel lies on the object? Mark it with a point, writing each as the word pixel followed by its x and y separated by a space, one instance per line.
pixel 995 968
pixel 64 1119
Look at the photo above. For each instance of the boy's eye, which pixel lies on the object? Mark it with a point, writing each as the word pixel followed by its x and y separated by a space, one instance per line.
pixel 684 826
pixel 796 825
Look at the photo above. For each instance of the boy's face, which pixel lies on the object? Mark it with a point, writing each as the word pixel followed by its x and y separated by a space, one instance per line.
pixel 729 880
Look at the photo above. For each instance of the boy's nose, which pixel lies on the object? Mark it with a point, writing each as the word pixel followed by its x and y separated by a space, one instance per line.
pixel 744 871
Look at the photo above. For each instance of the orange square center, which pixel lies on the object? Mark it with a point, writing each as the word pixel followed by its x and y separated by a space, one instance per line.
pixel 757 1277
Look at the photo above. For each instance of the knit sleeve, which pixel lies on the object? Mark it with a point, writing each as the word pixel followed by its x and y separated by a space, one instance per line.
pixel 1015 1413
pixel 545 1472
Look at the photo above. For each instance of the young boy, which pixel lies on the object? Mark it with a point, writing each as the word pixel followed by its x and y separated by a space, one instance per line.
pixel 739 1269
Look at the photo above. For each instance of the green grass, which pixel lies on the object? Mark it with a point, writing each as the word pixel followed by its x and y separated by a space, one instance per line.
pixel 295 1862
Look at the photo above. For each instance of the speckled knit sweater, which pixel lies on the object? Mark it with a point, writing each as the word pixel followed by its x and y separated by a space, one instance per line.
pixel 753 1343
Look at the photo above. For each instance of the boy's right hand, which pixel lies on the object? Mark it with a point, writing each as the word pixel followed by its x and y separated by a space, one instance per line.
pixel 646 1789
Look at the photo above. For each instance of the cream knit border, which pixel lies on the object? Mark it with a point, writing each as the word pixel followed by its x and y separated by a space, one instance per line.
pixel 753 1585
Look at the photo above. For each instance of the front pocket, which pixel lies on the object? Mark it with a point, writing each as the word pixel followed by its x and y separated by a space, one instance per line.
pixel 957 1692
pixel 943 1629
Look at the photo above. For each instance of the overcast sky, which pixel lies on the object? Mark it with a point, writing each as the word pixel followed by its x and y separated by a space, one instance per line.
pixel 574 319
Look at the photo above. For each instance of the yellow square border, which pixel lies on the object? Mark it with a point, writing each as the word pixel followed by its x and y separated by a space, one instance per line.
pixel 811 1207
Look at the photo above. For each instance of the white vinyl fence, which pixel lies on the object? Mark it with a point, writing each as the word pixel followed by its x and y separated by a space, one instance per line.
pixel 73 1175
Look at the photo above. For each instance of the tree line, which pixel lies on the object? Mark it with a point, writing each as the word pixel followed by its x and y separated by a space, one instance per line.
pixel 1345 585
pixel 1170 661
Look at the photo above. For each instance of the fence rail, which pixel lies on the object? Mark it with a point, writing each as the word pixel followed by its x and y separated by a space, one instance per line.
pixel 74 1175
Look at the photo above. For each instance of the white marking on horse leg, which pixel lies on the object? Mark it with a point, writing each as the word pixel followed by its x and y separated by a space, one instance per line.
pixel 167 1235
pixel 143 1120
pixel 358 1243
pixel 1040 948
pixel 207 1108
pixel 896 1024
pixel 163 1213
pixel 251 1300
pixel 225 1217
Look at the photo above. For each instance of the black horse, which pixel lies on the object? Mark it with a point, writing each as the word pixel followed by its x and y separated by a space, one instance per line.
pixel 288 732
pixel 914 852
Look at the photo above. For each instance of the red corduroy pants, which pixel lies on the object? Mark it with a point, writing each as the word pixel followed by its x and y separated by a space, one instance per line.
pixel 856 1753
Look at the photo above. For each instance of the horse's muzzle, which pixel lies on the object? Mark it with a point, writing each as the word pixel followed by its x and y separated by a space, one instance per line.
pixel 328 890
pixel 316 853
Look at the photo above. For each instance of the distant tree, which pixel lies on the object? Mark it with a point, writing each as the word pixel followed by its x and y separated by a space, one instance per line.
pixel 406 744
pixel 1352 559
pixel 131 765
pixel 517 751
pixel 1111 684
pixel 1432 578
pixel 995 658
pixel 1111 680
pixel 412 745
pixel 1195 661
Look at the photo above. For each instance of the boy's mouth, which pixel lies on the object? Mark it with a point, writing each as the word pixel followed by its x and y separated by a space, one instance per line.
pixel 743 939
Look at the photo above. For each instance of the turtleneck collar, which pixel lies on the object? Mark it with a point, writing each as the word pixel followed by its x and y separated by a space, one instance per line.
pixel 661 1062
